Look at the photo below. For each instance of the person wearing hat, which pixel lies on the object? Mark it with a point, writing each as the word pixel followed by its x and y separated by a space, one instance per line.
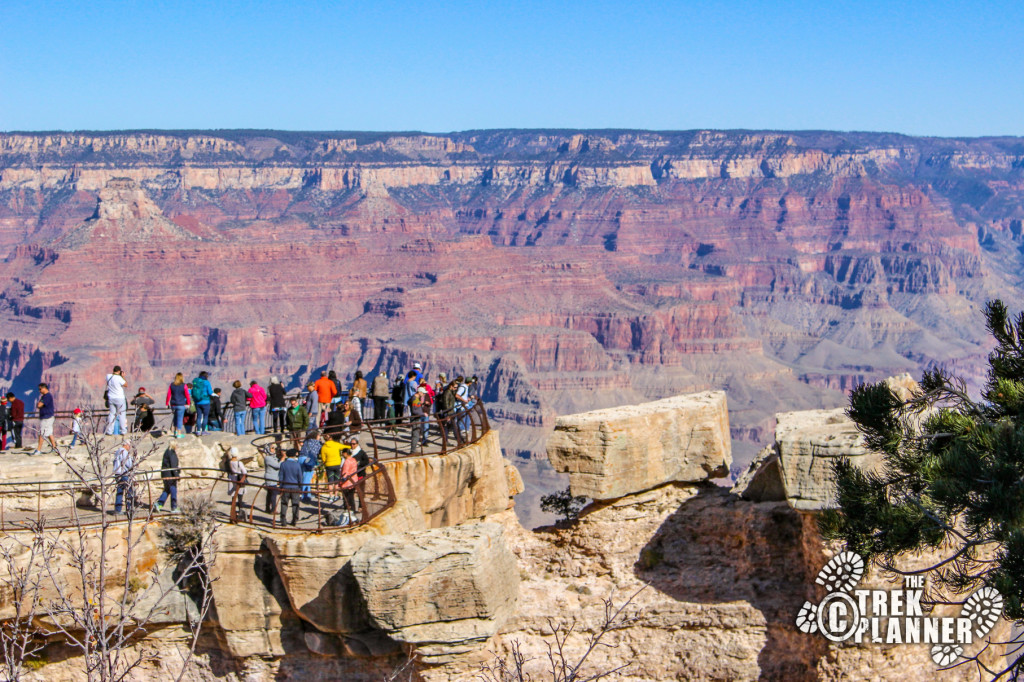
pixel 141 399
pixel 76 425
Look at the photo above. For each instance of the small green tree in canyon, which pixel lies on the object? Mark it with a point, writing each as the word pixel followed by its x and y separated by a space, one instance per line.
pixel 952 480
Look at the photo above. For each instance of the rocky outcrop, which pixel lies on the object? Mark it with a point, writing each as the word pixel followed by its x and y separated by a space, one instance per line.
pixel 445 591
pixel 615 452
pixel 469 483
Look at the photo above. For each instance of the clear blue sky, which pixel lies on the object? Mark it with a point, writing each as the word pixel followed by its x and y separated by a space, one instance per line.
pixel 932 68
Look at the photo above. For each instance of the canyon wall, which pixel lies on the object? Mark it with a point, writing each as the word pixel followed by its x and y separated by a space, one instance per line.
pixel 569 270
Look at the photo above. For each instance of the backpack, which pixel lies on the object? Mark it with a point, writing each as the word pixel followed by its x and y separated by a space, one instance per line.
pixel 199 393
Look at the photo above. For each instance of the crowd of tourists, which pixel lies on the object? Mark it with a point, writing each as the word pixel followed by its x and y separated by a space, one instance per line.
pixel 321 423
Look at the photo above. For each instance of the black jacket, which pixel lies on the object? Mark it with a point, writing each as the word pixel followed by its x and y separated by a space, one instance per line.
pixel 169 465
pixel 215 409
pixel 275 392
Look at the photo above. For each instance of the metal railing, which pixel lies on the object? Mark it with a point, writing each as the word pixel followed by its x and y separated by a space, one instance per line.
pixel 77 503
pixel 432 434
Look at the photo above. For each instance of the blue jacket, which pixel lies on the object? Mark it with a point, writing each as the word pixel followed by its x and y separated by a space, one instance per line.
pixel 46 411
pixel 291 474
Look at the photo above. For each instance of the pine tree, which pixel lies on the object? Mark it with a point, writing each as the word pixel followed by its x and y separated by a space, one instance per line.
pixel 953 474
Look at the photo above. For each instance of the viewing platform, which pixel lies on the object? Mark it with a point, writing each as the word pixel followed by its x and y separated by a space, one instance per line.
pixel 392 445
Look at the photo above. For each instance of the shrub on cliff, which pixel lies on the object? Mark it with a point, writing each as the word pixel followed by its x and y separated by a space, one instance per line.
pixel 564 504
pixel 954 476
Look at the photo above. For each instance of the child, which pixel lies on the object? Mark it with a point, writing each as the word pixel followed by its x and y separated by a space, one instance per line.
pixel 76 426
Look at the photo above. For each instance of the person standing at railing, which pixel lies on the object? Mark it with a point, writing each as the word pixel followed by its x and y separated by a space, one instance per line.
pixel 362 459
pixel 291 485
pixel 17 416
pixel 311 403
pixel 348 482
pixel 202 392
pixel 141 401
pixel 380 393
pixel 357 394
pixel 237 474
pixel 271 474
pixel 297 420
pixel 461 405
pixel 169 475
pixel 47 413
pixel 416 415
pixel 325 391
pixel 178 399
pixel 309 457
pixel 76 426
pixel 330 455
pixel 124 477
pixel 117 419
pixel 258 405
pixel 278 408
pixel 5 421
pixel 216 420
pixel 333 376
pixel 239 401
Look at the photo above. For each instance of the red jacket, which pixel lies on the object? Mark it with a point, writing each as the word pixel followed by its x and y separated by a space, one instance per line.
pixel 17 408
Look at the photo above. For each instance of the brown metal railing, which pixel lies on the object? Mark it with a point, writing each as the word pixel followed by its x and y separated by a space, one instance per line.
pixel 76 503
pixel 401 436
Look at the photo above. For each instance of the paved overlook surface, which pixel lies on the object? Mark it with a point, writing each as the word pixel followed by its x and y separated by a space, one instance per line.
pixel 569 270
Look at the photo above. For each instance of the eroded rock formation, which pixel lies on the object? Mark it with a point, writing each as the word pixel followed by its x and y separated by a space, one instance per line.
pixel 569 270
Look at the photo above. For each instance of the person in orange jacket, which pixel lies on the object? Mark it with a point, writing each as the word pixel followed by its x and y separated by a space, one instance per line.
pixel 325 391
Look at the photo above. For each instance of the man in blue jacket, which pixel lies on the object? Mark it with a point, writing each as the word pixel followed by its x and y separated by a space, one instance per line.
pixel 47 413
pixel 290 480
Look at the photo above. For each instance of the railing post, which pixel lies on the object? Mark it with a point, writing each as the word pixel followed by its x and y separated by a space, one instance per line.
pixel 39 501
pixel 442 424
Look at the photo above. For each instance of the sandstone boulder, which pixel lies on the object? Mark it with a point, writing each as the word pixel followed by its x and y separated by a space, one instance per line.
pixel 618 451
pixel 444 590
pixel 807 443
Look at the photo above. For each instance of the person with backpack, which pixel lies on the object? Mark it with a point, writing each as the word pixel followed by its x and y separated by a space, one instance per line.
pixel 258 405
pixel 202 391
